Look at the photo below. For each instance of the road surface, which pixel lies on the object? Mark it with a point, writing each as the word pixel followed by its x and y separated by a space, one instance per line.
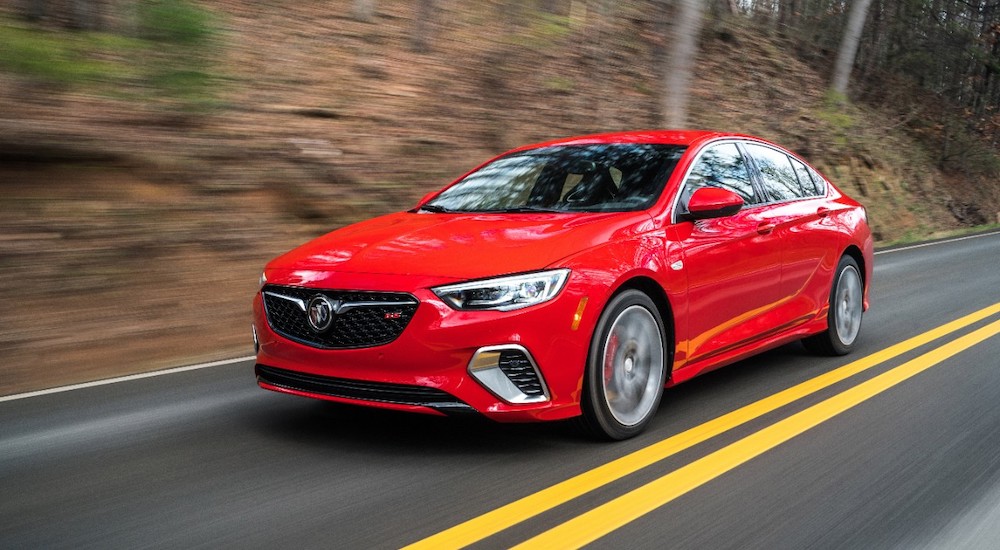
pixel 894 446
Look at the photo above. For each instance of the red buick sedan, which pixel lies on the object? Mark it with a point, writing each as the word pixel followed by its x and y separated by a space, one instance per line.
pixel 573 278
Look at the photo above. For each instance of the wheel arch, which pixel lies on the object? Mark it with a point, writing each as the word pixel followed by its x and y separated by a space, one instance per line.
pixel 855 252
pixel 651 288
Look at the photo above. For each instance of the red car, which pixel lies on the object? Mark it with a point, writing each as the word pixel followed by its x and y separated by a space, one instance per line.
pixel 568 278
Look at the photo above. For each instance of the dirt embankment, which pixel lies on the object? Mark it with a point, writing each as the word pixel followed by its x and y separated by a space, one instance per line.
pixel 132 235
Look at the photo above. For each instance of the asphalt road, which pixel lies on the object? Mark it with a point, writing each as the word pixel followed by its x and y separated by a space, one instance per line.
pixel 206 459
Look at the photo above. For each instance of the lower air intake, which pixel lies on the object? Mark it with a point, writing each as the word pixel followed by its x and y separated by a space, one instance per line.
pixel 401 394
pixel 515 364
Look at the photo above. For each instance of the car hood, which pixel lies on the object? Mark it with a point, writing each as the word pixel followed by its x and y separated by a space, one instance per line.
pixel 459 246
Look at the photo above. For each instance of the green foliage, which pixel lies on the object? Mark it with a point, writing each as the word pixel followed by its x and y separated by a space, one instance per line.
pixel 551 26
pixel 52 57
pixel 113 43
pixel 175 22
pixel 183 39
pixel 559 84
pixel 644 88
pixel 171 56
pixel 545 31
pixel 190 85
pixel 837 104
pixel 835 112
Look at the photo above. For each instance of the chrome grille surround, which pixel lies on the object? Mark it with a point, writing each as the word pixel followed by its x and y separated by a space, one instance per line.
pixel 361 319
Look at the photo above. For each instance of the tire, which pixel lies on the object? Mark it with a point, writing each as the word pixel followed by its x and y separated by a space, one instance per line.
pixel 846 310
pixel 626 368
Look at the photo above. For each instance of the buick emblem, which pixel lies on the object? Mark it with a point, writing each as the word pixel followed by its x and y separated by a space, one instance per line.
pixel 320 312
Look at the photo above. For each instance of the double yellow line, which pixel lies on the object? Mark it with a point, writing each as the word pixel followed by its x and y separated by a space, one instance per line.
pixel 632 505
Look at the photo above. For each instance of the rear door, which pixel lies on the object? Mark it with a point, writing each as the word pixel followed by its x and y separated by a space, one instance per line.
pixel 808 237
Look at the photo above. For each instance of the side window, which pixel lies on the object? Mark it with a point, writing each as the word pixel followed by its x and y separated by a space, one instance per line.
pixel 809 186
pixel 720 166
pixel 819 182
pixel 779 175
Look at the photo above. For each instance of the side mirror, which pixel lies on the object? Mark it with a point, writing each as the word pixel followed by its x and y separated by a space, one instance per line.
pixel 712 202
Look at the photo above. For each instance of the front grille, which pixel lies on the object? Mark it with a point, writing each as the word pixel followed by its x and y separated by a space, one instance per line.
pixel 358 389
pixel 368 318
pixel 518 368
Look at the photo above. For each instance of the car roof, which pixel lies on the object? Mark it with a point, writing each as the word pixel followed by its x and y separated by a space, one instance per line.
pixel 665 137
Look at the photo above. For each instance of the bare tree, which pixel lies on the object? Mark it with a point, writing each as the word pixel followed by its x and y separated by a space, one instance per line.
pixel 85 15
pixel 513 12
pixel 363 10
pixel 33 10
pixel 548 6
pixel 422 25
pixel 849 45
pixel 678 66
pixel 73 14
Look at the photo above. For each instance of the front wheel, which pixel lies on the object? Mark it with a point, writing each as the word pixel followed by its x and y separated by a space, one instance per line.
pixel 844 317
pixel 626 368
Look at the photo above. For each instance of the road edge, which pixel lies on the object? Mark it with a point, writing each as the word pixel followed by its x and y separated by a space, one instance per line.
pixel 126 378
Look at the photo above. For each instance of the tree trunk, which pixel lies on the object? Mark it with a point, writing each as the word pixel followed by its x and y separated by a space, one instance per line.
pixel 33 10
pixel 422 25
pixel 548 6
pixel 85 15
pixel 786 11
pixel 680 62
pixel 595 59
pixel 513 14
pixel 849 45
pixel 363 10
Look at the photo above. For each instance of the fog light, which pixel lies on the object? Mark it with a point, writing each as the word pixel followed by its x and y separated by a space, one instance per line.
pixel 510 373
pixel 256 343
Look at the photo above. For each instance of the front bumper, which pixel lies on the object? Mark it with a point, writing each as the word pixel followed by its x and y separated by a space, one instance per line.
pixel 427 368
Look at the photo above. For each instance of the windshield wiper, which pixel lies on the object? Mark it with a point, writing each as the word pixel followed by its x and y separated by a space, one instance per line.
pixel 512 210
pixel 435 208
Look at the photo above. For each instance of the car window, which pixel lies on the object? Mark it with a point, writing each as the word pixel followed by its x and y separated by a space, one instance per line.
pixel 720 166
pixel 806 181
pixel 776 169
pixel 497 183
pixel 615 177
pixel 819 181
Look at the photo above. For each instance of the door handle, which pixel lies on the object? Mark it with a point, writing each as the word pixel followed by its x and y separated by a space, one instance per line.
pixel 823 212
pixel 765 227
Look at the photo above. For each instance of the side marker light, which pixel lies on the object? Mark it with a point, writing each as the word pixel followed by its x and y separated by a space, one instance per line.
pixel 578 316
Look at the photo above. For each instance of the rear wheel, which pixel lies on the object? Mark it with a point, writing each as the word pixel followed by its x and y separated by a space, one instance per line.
pixel 626 368
pixel 846 309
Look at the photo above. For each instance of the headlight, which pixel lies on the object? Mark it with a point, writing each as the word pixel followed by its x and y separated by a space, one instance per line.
pixel 263 281
pixel 505 293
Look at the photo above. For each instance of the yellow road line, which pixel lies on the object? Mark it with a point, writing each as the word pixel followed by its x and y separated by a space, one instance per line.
pixel 606 518
pixel 506 516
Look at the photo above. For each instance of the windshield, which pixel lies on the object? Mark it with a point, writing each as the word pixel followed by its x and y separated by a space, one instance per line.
pixel 565 178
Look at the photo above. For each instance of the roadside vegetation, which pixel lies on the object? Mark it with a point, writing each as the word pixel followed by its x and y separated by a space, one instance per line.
pixel 159 51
